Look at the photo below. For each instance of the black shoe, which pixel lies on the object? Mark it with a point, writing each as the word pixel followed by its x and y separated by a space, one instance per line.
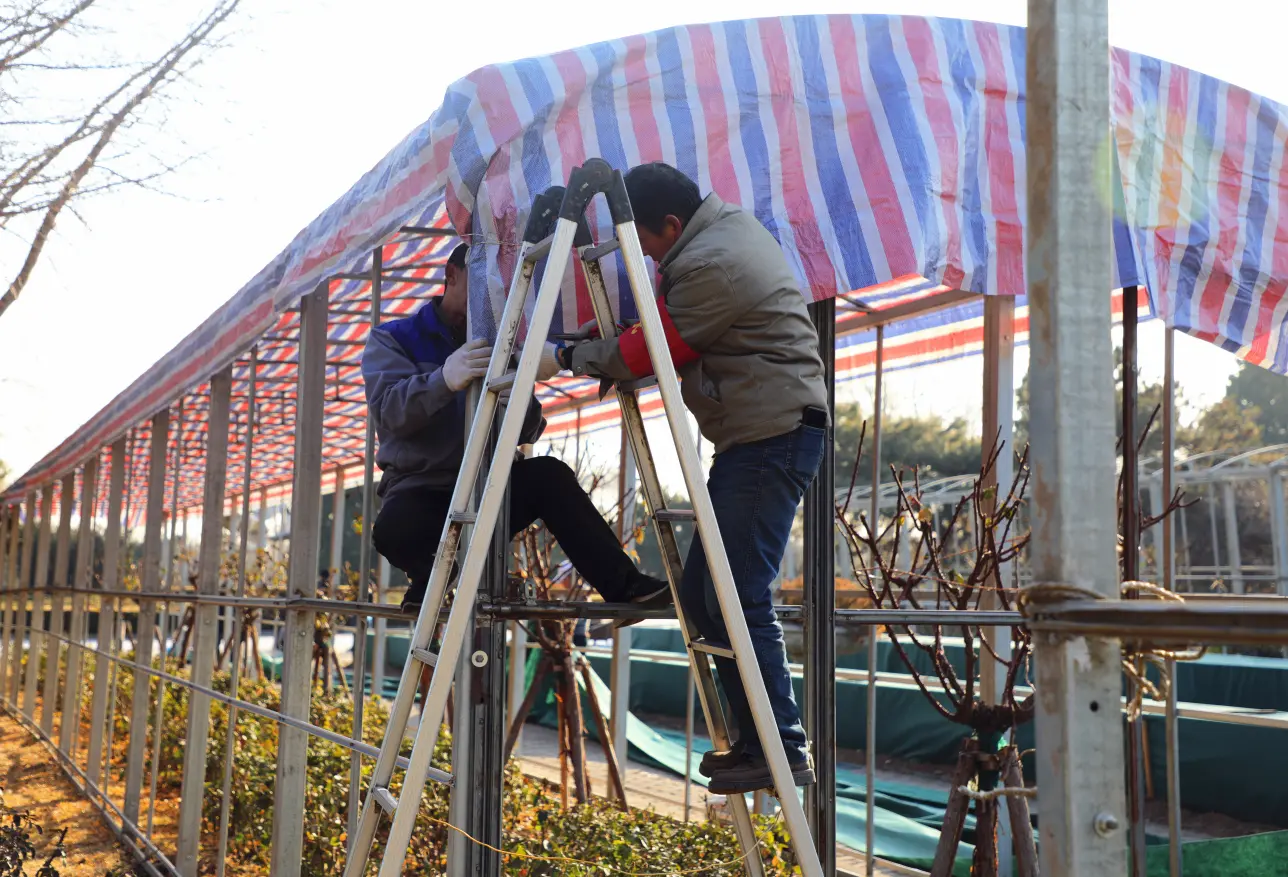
pixel 720 759
pixel 646 592
pixel 750 773
pixel 413 598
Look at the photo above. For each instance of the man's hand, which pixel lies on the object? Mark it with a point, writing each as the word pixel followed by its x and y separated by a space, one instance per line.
pixel 468 362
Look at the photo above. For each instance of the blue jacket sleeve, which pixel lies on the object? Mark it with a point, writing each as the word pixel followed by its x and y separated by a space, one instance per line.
pixel 401 398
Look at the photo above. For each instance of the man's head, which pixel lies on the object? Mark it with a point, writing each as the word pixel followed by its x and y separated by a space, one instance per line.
pixel 664 200
pixel 455 301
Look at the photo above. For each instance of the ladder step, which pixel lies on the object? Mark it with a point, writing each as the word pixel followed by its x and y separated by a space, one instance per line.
pixel 504 382
pixel 386 800
pixel 591 254
pixel 720 650
pixel 464 517
pixel 673 516
pixel 539 251
pixel 425 656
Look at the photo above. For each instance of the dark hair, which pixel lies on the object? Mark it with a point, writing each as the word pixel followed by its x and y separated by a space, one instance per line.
pixel 657 191
pixel 457 259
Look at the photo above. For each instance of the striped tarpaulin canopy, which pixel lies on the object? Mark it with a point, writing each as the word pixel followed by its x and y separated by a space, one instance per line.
pixel 873 147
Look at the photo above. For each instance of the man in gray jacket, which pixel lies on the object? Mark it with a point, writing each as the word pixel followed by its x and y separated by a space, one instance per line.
pixel 747 356
pixel 416 370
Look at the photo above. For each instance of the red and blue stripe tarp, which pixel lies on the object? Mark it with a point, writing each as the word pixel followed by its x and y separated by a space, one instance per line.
pixel 873 147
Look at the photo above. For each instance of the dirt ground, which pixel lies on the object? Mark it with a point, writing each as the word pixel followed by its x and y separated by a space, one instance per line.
pixel 32 781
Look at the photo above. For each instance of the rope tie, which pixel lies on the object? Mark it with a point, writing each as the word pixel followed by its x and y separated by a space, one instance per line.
pixel 999 792
pixel 1137 658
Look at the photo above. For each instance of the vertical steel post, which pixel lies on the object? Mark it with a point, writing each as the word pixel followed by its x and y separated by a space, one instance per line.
pixel 230 739
pixel 818 615
pixel 106 612
pixel 364 569
pixel 1136 766
pixel 12 640
pixel 337 533
pixel 151 584
pixel 998 427
pixel 1079 723
pixel 62 561
pixel 204 632
pixel 1167 567
pixel 69 731
pixel 378 653
pixel 306 524
pixel 1231 509
pixel 23 620
pixel 870 744
pixel 36 628
pixel 620 670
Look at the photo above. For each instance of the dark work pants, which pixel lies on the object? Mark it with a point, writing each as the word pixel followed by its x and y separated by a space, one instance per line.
pixel 755 488
pixel 410 524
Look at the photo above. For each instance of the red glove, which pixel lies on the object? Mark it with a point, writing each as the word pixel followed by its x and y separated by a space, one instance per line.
pixel 635 351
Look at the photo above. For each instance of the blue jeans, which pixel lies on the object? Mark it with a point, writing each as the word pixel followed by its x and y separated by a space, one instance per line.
pixel 756 489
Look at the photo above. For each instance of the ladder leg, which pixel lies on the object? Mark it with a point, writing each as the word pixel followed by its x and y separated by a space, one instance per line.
pixel 459 620
pixel 717 559
pixel 633 423
pixel 400 710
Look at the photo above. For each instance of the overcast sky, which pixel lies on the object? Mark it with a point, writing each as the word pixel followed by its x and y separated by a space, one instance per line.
pixel 310 96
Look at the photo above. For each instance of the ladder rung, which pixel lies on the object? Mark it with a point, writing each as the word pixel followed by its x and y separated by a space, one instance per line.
pixel 637 385
pixel 718 649
pixel 425 656
pixel 591 254
pixel 673 516
pixel 386 800
pixel 538 251
pixel 464 517
pixel 504 382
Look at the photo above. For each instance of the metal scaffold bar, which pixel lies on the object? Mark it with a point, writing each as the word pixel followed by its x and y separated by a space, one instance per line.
pixel 1079 727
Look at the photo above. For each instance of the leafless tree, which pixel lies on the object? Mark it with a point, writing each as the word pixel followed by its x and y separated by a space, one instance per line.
pixel 69 99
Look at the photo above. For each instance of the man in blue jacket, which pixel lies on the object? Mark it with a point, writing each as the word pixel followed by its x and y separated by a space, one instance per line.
pixel 416 370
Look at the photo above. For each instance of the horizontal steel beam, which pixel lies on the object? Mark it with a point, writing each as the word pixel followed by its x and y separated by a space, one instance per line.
pixel 1211 622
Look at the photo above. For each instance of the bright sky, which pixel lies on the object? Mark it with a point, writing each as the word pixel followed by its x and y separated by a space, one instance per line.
pixel 310 96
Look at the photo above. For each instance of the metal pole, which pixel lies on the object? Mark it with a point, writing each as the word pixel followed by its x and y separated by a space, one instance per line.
pixel 151 584
pixel 1231 509
pixel 69 732
pixel 306 524
pixel 818 608
pixel 25 585
pixel 999 408
pixel 204 630
pixel 621 662
pixel 1079 724
pixel 1279 521
pixel 168 587
pixel 337 534
pixel 11 641
pixel 364 572
pixel 378 656
pixel 62 558
pixel 106 613
pixel 1167 565
pixel 35 630
pixel 235 683
pixel 1136 766
pixel 689 692
pixel 870 753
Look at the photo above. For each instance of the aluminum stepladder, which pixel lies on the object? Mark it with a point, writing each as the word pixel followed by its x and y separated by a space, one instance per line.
pixel 563 211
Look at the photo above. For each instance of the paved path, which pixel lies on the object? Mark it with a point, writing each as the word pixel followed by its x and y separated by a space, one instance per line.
pixel 647 786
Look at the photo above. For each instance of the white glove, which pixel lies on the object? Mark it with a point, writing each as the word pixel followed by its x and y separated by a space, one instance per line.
pixel 549 366
pixel 468 362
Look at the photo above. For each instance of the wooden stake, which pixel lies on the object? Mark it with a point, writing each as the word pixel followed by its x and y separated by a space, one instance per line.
pixel 1026 853
pixel 605 738
pixel 529 700
pixel 985 860
pixel 955 815
pixel 575 738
